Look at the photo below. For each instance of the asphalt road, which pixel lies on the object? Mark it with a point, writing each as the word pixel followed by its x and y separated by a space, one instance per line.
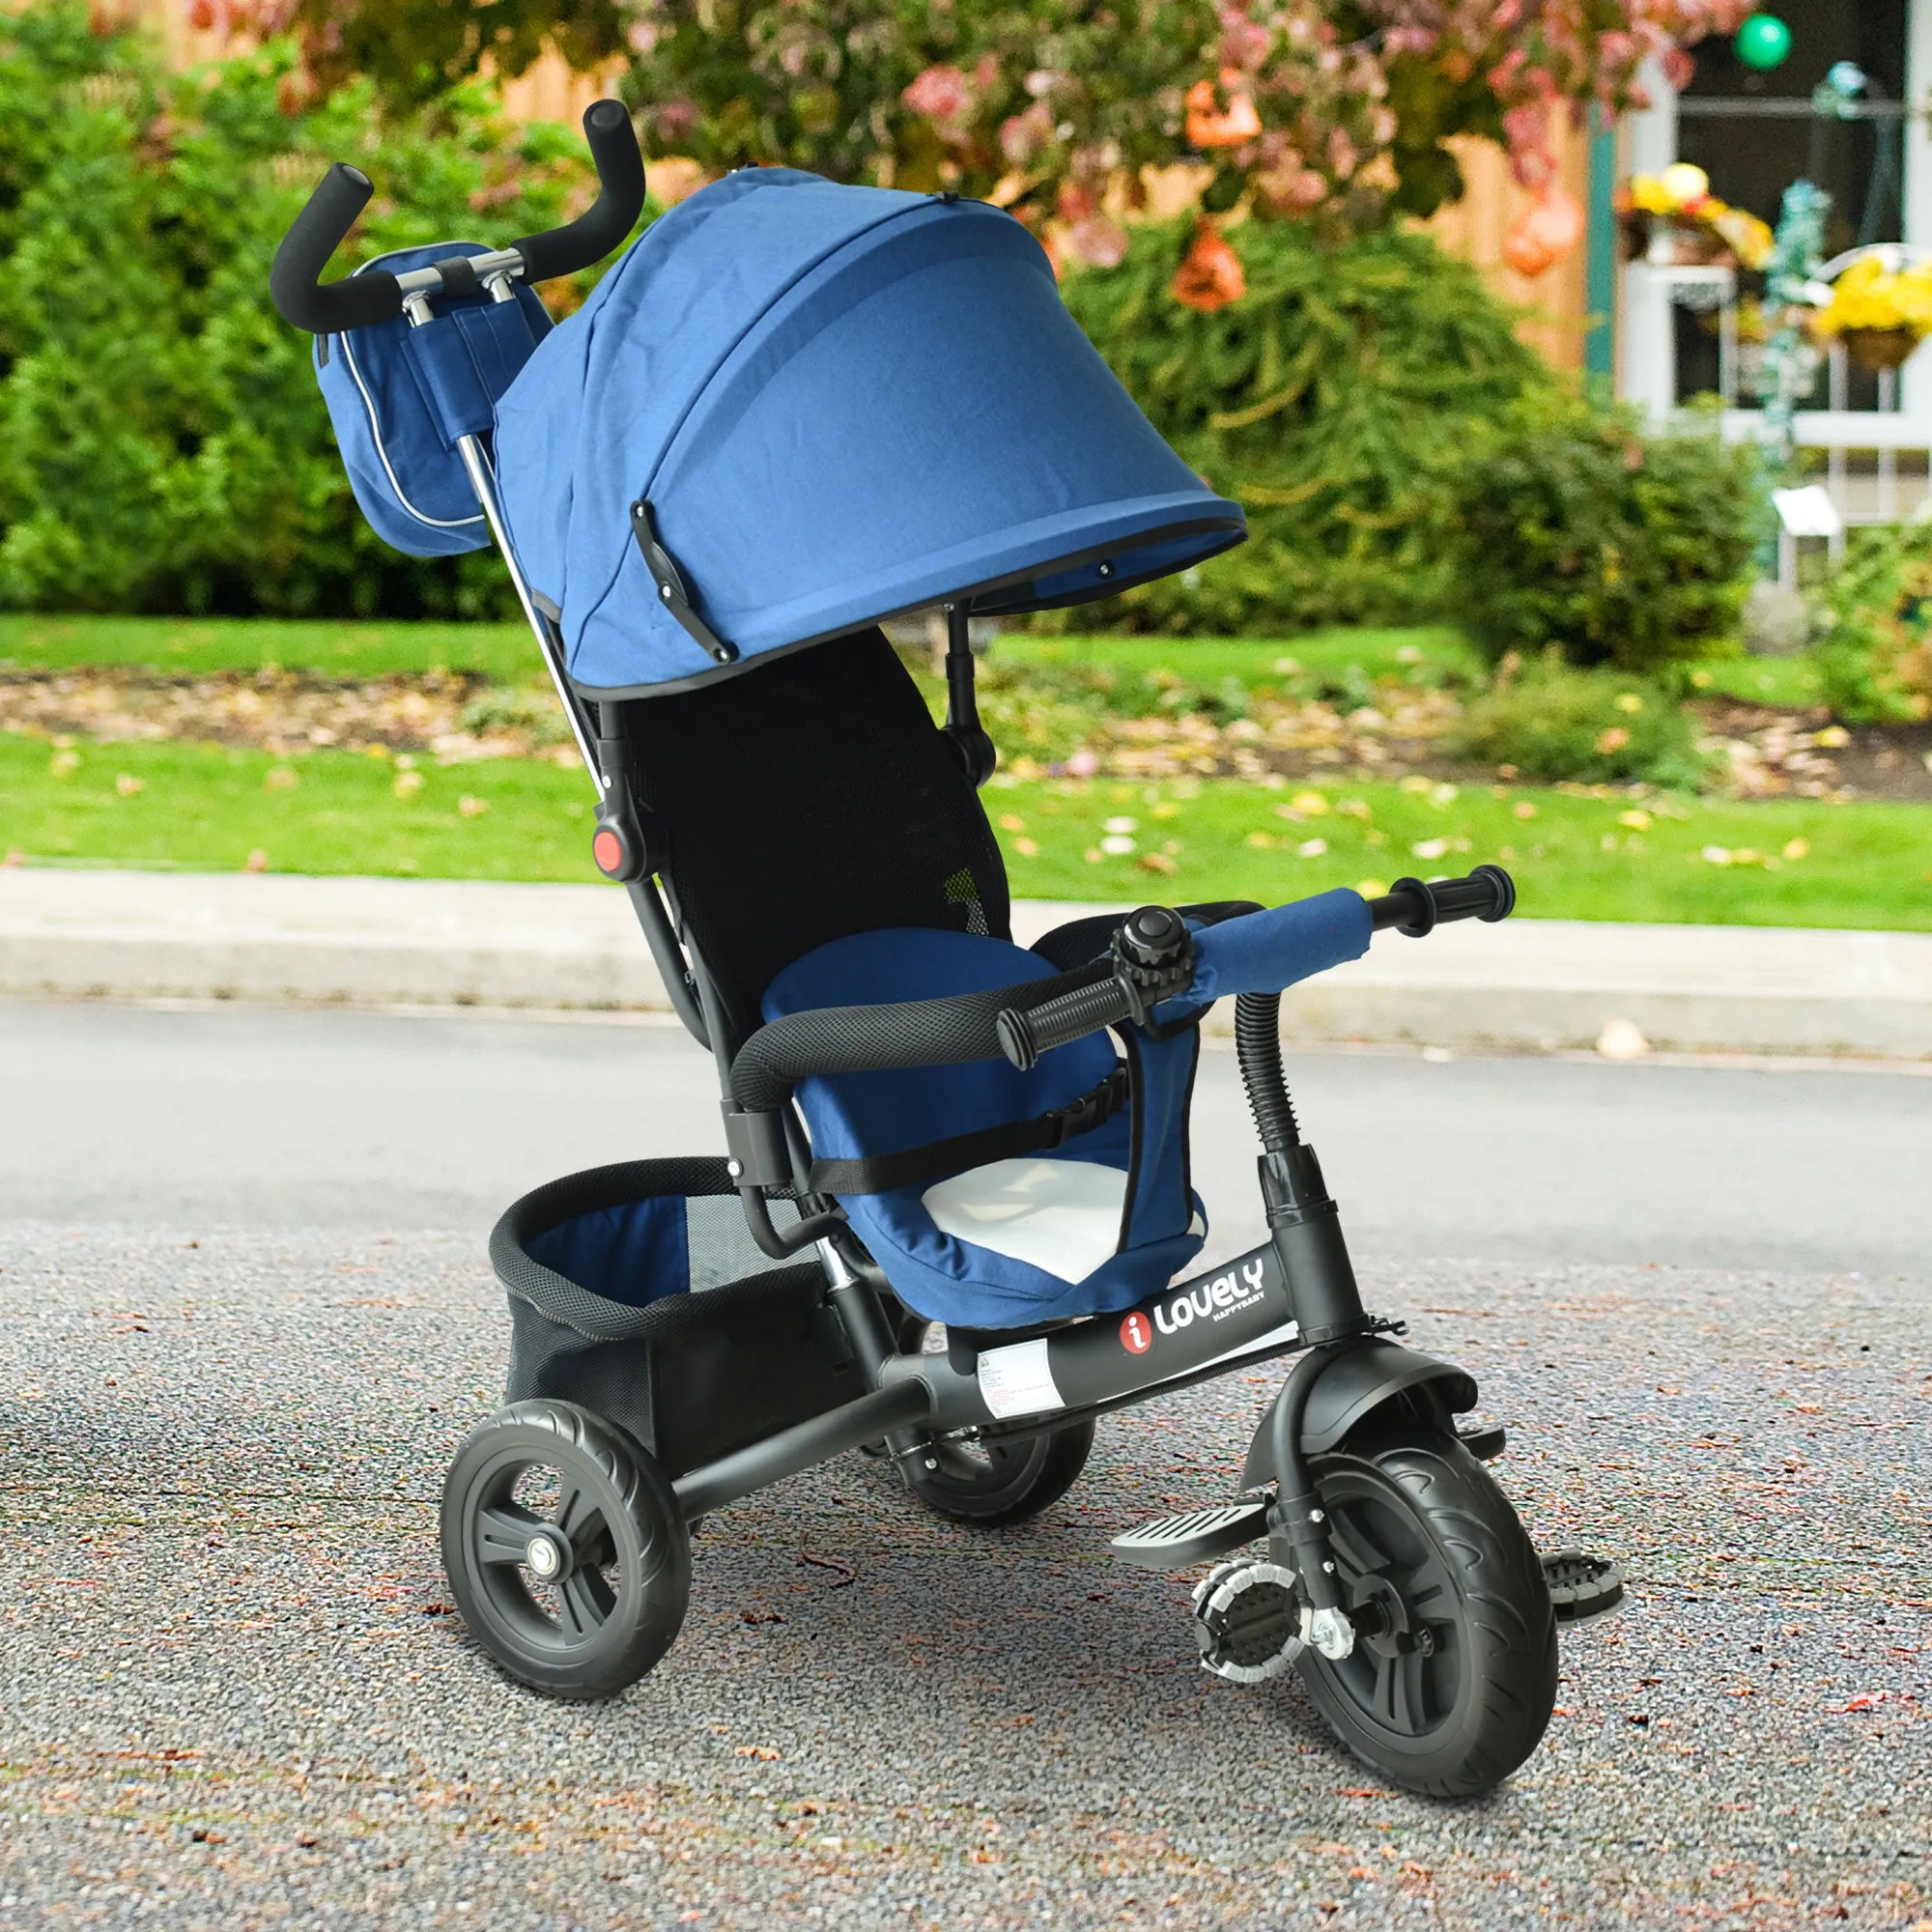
pixel 243 1321
pixel 265 1117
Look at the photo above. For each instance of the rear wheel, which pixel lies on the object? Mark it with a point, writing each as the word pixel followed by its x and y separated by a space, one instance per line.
pixel 994 1483
pixel 565 1549
pixel 1453 1676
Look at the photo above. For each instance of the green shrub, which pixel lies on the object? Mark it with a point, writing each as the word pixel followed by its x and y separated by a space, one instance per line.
pixel 1550 721
pixel 162 443
pixel 1570 528
pixel 1334 401
pixel 1875 622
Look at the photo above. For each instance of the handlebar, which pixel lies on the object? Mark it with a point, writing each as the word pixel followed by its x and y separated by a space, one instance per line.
pixel 610 217
pixel 1417 909
pixel 355 301
pixel 1412 906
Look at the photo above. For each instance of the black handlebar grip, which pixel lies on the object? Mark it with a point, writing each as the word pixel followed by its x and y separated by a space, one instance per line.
pixel 610 217
pixel 1416 908
pixel 1024 1035
pixel 353 302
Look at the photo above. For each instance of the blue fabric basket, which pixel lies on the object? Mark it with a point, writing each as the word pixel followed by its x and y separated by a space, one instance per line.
pixel 400 396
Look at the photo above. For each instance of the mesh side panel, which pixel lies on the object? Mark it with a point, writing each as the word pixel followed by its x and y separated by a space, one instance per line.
pixel 551 1359
pixel 808 800
pixel 721 1247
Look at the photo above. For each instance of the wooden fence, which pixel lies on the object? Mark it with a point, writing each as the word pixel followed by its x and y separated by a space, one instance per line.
pixel 1473 228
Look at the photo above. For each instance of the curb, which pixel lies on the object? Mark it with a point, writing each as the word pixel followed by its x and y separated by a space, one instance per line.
pixel 1534 985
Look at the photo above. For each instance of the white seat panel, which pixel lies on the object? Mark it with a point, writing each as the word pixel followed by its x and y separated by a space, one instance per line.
pixel 1062 1216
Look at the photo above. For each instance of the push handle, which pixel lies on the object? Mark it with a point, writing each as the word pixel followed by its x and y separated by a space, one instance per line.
pixel 1416 908
pixel 328 308
pixel 610 217
pixel 356 300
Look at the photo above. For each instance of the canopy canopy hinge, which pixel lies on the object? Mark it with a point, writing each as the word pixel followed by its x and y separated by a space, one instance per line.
pixel 672 593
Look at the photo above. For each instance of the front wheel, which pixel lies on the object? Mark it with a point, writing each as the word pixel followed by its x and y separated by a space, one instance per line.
pixel 565 1547
pixel 1453 1676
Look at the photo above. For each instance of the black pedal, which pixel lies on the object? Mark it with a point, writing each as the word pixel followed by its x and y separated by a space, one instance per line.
pixel 1484 1444
pixel 1247 1615
pixel 1179 1542
pixel 1581 1586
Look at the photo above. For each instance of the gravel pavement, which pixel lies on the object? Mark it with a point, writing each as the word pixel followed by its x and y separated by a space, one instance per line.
pixel 234 1366
pixel 234 1693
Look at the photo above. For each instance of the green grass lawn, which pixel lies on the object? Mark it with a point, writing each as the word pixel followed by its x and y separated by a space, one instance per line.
pixel 507 652
pixel 189 645
pixel 205 809
pixel 1396 652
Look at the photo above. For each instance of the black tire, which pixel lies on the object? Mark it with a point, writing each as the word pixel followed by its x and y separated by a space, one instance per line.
pixel 995 1483
pixel 552 1474
pixel 1455 1689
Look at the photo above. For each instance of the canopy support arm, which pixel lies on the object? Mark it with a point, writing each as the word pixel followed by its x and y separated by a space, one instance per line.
pixel 977 751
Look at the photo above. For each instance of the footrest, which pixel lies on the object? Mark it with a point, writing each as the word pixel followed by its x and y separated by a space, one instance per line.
pixel 1581 1586
pixel 1179 1542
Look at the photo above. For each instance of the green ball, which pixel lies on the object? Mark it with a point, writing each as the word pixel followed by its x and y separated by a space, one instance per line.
pixel 1763 42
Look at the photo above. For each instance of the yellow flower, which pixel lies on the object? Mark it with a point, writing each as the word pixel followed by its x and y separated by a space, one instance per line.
pixel 1868 295
pixel 1648 195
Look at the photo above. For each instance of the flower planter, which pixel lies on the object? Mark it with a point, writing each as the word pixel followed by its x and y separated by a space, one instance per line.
pixel 1878 350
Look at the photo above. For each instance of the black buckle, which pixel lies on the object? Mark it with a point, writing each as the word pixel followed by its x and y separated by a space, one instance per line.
pixel 1090 1111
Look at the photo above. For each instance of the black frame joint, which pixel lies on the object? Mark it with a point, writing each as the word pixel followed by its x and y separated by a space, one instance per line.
pixel 757 1153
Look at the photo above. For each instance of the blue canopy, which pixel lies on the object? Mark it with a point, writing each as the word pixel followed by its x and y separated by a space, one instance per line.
pixel 839 403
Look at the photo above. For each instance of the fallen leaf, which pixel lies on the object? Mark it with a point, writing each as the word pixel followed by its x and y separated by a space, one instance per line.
pixel 1622 1039
pixel 257 861
pixel 764 1754
pixel 473 807
pixel 128 785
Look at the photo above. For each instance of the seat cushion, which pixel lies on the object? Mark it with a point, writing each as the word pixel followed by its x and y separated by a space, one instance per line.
pixel 991 1258
pixel 1062 1216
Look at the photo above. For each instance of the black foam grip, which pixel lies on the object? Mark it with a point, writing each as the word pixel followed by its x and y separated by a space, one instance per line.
pixel 610 217
pixel 317 231
pixel 865 1040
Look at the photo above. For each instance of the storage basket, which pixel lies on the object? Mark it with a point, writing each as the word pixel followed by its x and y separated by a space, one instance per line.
pixel 637 1293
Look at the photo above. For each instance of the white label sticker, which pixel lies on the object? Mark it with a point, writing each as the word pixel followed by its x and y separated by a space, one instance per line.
pixel 1018 1380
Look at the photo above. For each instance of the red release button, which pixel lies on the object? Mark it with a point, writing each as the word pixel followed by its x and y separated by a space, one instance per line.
pixel 607 849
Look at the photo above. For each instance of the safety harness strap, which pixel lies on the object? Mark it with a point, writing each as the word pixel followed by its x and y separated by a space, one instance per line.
pixel 937 1160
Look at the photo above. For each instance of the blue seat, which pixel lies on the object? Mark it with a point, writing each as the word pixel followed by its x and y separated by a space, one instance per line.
pixel 1081 1229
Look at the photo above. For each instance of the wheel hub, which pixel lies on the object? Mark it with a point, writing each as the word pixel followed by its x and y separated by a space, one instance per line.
pixel 549 1555
pixel 1382 1617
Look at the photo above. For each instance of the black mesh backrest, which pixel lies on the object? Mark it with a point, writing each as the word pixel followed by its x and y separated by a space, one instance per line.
pixel 808 799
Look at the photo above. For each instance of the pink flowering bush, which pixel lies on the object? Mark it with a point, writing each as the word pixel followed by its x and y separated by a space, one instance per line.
pixel 1329 111
pixel 1334 113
